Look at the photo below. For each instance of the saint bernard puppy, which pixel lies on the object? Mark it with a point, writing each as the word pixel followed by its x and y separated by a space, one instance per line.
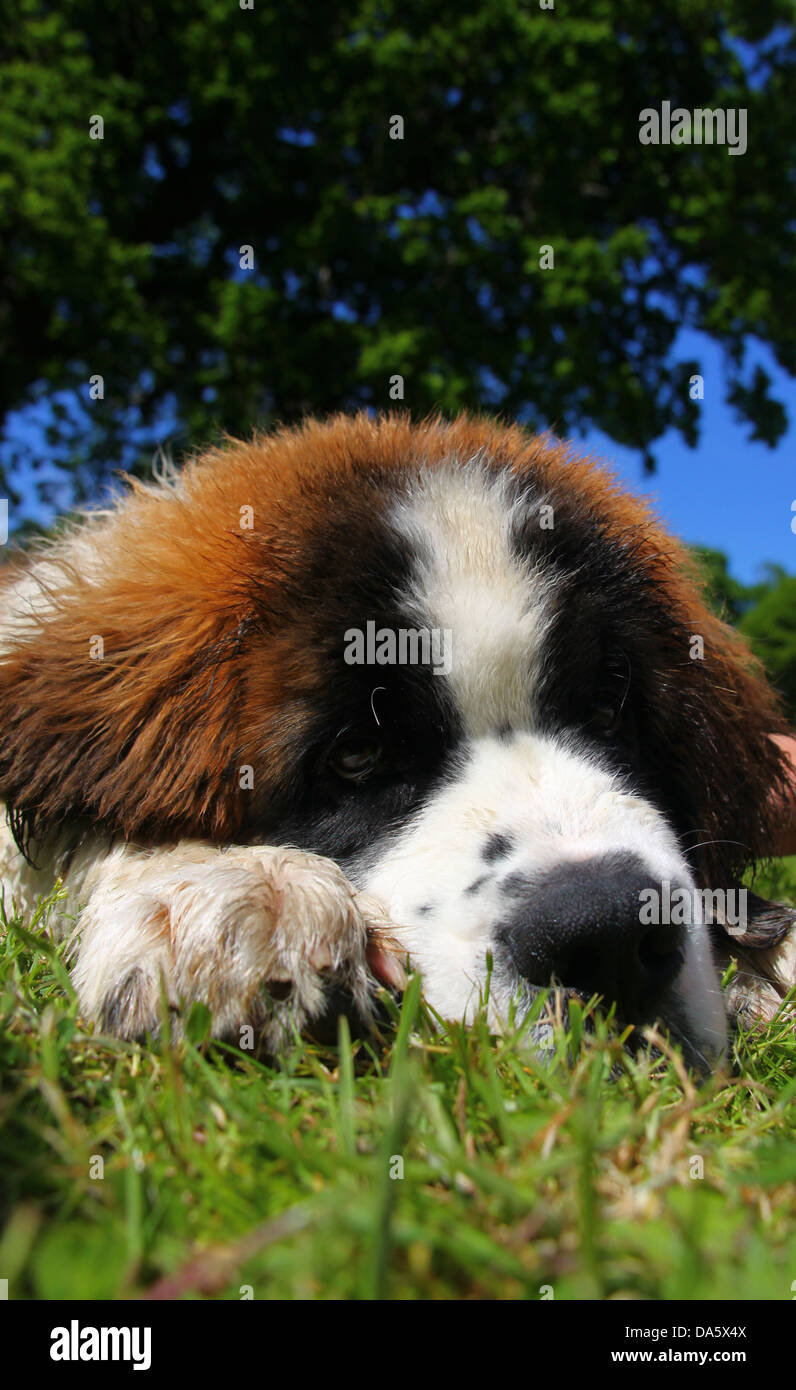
pixel 365 692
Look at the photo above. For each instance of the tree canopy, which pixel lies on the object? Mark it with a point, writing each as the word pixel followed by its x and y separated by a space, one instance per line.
pixel 765 613
pixel 272 127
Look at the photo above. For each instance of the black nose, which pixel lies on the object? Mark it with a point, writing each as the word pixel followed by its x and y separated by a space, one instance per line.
pixel 580 925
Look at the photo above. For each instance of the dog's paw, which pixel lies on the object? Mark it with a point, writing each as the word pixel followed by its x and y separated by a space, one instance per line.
pixel 762 983
pixel 265 937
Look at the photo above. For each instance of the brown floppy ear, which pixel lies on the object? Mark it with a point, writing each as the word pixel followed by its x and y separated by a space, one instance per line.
pixel 117 703
pixel 726 782
pixel 707 709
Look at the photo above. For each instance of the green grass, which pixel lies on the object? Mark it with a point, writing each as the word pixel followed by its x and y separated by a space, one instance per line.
pixel 220 1172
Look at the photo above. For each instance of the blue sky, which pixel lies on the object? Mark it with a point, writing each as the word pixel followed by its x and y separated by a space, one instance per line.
pixel 730 492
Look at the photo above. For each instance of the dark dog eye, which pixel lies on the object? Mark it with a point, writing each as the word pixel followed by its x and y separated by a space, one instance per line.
pixel 606 717
pixel 604 720
pixel 356 759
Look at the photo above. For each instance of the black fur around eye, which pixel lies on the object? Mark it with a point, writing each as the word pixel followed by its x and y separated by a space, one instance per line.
pixel 355 759
pixel 605 720
pixel 609 704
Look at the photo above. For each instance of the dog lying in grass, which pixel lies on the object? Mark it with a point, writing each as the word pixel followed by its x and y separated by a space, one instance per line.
pixel 368 689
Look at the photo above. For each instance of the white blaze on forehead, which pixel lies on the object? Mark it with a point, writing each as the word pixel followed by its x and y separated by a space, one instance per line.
pixel 469 580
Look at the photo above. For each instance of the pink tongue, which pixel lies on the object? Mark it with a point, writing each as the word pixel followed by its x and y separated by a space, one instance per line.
pixel 386 967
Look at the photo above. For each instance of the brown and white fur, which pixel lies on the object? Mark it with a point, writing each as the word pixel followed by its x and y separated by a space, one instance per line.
pixel 243 816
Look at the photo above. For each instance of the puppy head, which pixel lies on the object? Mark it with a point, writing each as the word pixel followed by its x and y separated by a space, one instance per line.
pixel 455 659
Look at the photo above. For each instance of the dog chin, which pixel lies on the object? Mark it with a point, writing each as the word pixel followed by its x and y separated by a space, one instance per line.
pixel 508 1007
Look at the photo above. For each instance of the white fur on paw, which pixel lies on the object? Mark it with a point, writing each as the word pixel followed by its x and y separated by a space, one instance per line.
pixel 222 926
